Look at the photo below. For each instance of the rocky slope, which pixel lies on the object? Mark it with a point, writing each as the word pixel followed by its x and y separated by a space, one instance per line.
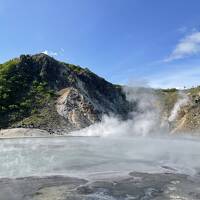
pixel 181 109
pixel 188 117
pixel 39 92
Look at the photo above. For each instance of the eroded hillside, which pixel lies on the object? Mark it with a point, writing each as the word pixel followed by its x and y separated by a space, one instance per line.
pixel 39 92
pixel 181 108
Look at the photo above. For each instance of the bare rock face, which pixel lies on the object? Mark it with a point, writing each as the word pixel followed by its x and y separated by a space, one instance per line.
pixel 188 120
pixel 76 108
pixel 181 109
pixel 40 92
pixel 55 96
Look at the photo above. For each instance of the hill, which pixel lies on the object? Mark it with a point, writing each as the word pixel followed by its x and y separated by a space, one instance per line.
pixel 37 91
pixel 40 92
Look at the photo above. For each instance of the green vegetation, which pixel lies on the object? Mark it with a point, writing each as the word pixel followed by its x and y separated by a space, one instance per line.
pixel 29 84
pixel 169 90
pixel 194 91
pixel 46 117
pixel 28 87
pixel 76 68
pixel 22 91
pixel 79 70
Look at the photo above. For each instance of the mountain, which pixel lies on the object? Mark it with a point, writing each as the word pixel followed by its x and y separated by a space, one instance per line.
pixel 37 91
pixel 40 92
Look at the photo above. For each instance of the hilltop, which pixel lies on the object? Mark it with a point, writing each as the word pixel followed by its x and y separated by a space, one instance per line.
pixel 40 92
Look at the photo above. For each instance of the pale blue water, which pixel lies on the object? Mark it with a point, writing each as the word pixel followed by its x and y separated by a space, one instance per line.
pixel 81 156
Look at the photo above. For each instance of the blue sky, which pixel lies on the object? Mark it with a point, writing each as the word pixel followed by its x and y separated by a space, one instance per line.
pixel 154 41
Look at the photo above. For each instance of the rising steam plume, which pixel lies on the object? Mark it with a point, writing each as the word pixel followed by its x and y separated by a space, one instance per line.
pixel 143 120
pixel 182 101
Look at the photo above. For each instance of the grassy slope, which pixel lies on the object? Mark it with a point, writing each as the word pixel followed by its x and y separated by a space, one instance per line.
pixel 28 90
pixel 27 99
pixel 22 92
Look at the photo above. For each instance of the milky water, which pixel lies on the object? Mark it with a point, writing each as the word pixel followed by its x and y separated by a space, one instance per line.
pixel 83 156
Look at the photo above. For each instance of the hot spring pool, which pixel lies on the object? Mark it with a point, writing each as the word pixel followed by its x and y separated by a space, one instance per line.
pixel 83 156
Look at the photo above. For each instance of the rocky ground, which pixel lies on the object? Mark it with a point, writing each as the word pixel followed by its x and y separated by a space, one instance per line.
pixel 139 186
pixel 23 132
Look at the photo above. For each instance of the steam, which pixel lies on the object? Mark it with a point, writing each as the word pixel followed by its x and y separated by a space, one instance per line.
pixel 83 156
pixel 146 117
pixel 143 120
pixel 182 101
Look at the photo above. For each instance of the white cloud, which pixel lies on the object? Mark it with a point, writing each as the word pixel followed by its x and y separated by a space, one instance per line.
pixel 50 53
pixel 188 46
pixel 189 76
pixel 54 53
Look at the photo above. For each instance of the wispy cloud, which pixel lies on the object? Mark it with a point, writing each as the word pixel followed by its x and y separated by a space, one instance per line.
pixel 187 76
pixel 182 29
pixel 62 50
pixel 50 53
pixel 54 53
pixel 187 46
